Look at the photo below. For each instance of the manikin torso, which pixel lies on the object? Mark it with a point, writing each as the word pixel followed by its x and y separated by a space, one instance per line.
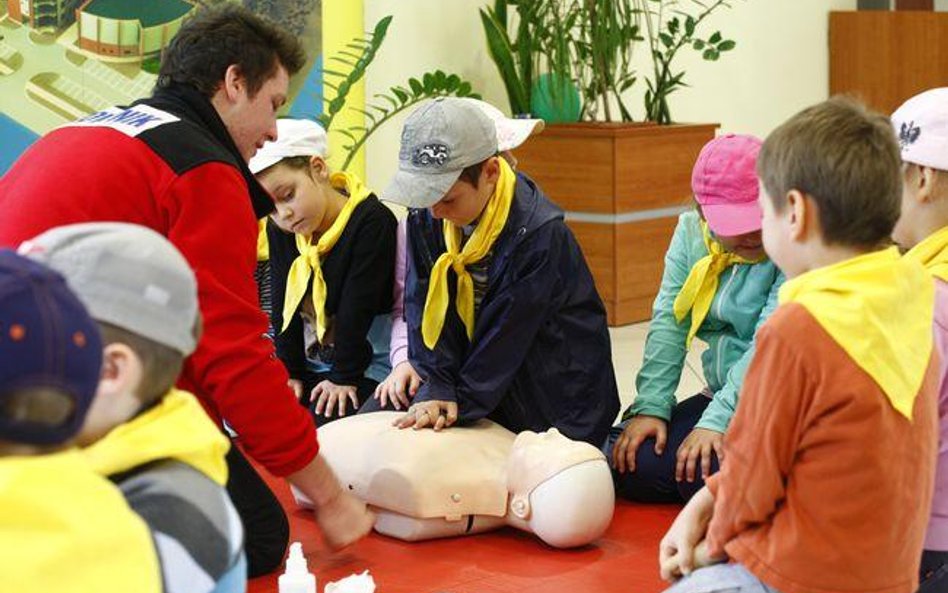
pixel 470 479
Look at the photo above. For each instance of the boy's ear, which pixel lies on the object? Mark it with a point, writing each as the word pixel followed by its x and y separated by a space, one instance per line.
pixel 925 182
pixel 798 208
pixel 121 369
pixel 491 170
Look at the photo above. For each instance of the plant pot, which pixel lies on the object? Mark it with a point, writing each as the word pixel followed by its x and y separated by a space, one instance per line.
pixel 622 187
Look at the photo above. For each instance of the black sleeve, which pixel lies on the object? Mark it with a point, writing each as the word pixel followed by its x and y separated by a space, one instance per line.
pixel 289 344
pixel 366 293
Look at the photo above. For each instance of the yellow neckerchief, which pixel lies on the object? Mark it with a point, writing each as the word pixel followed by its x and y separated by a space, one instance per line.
pixel 307 265
pixel 933 254
pixel 176 428
pixel 488 228
pixel 65 528
pixel 263 245
pixel 701 285
pixel 878 307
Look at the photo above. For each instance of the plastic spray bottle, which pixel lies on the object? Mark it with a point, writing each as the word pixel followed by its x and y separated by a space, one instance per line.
pixel 297 578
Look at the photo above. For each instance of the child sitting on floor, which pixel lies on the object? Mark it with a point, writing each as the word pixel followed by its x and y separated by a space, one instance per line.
pixel 154 441
pixel 53 506
pixel 331 269
pixel 922 127
pixel 828 476
pixel 718 286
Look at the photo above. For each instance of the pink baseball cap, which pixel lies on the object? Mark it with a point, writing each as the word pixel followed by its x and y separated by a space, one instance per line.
pixel 725 184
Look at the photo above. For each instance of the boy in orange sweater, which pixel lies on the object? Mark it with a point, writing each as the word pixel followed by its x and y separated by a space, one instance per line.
pixel 830 456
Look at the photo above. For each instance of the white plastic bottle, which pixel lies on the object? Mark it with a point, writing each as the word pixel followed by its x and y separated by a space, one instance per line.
pixel 297 578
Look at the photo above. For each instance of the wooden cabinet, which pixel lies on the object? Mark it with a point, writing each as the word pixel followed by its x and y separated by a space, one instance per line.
pixel 622 187
pixel 885 58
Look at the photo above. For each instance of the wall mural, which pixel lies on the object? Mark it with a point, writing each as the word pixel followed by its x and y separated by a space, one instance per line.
pixel 64 59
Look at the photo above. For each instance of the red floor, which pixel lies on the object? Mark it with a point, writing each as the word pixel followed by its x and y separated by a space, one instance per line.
pixel 625 560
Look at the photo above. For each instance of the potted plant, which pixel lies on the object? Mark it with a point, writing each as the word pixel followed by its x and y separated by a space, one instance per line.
pixel 621 182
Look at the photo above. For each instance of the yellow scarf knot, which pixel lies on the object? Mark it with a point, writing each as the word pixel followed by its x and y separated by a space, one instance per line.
pixel 489 227
pixel 698 291
pixel 932 253
pixel 308 264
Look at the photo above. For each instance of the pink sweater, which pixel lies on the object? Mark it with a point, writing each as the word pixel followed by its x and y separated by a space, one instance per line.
pixel 399 343
pixel 937 536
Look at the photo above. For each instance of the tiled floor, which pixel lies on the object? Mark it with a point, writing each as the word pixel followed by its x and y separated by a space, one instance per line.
pixel 628 345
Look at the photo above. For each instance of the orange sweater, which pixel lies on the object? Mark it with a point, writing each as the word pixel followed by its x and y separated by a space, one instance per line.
pixel 825 488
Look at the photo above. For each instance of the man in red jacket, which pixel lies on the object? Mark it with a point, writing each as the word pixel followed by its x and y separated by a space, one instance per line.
pixel 177 163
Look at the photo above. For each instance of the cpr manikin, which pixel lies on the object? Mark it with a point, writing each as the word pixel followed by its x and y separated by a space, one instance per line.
pixel 470 479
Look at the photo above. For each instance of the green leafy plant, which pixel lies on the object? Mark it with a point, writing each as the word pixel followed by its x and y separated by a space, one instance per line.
pixel 608 32
pixel 354 62
pixel 668 30
pixel 597 38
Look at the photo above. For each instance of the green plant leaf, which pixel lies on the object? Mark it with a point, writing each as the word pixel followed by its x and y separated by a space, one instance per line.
pixel 727 45
pixel 690 26
pixel 666 39
pixel 402 95
pixel 716 38
pixel 464 90
pixel 452 83
pixel 698 44
pixel 502 54
pixel 342 61
pixel 416 86
pixel 429 82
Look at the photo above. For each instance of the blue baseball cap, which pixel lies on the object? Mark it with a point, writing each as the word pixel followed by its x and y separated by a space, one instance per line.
pixel 47 340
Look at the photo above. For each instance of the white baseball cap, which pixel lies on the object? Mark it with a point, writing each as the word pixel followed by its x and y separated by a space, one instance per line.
pixel 511 132
pixel 295 137
pixel 921 125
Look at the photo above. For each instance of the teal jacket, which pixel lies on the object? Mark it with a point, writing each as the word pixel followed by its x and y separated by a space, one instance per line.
pixel 747 295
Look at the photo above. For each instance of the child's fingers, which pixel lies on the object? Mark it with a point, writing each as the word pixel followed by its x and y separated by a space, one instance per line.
pixel 661 437
pixel 680 461
pixel 414 384
pixel 439 423
pixel 693 457
pixel 451 415
pixel 423 421
pixel 718 445
pixel 706 462
pixel 330 403
pixel 354 398
pixel 405 421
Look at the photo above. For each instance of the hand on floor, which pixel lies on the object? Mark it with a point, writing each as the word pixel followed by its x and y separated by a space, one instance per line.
pixel 697 448
pixel 636 431
pixel 399 387
pixel 329 396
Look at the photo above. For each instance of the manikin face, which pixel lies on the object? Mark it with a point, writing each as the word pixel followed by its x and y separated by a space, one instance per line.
pixel 560 489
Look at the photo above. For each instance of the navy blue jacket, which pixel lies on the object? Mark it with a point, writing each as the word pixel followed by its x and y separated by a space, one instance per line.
pixel 541 355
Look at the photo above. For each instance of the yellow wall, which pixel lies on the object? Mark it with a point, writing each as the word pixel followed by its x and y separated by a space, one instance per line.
pixel 781 64
pixel 342 21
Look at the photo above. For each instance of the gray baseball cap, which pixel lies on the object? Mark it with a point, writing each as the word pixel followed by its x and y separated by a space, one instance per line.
pixel 126 275
pixel 439 140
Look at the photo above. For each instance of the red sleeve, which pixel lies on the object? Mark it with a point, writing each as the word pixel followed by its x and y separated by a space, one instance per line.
pixel 234 370
pixel 761 442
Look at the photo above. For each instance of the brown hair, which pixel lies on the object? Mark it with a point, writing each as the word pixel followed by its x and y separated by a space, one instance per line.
pixel 161 364
pixel 215 38
pixel 846 159
pixel 472 173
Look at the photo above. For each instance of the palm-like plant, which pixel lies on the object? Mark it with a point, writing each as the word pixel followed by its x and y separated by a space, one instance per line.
pixel 354 62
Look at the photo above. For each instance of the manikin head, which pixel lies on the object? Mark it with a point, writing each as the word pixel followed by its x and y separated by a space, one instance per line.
pixel 559 489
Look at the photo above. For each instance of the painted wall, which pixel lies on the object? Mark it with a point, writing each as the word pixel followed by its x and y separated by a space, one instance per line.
pixel 781 64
